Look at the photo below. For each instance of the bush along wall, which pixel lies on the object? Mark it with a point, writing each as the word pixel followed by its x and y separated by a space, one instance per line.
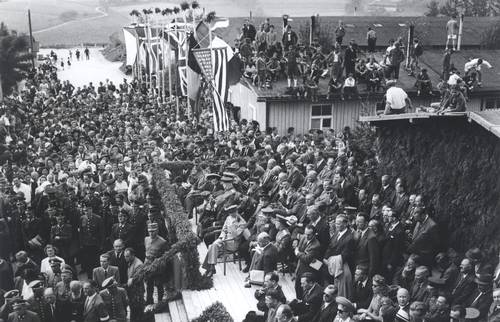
pixel 455 165
pixel 187 241
pixel 215 312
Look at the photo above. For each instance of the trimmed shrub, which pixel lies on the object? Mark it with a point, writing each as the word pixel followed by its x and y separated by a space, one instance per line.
pixel 215 312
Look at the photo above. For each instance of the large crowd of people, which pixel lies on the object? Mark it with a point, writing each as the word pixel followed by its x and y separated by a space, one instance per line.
pixel 350 69
pixel 78 215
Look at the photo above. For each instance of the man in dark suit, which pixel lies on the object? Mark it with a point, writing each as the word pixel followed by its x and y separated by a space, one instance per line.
pixel 294 176
pixel 99 274
pixel 367 251
pixel 403 312
pixel 307 251
pixel 270 283
pixel 342 243
pixel 117 258
pixel 122 229
pixel 321 227
pixel 293 201
pixel 362 290
pixel 309 306
pixel 265 257
pixel 328 309
pixel 387 192
pixel 94 309
pixel 464 286
pixel 419 291
pixel 116 300
pixel 21 313
pixel 482 297
pixel 345 190
pixel 393 249
pixel 425 237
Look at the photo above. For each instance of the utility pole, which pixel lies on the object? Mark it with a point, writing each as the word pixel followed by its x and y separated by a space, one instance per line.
pixel 31 39
pixel 460 28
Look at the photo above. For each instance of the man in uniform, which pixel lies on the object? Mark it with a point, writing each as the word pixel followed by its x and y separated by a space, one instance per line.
pixel 21 313
pixel 61 235
pixel 116 300
pixel 154 246
pixel 91 239
pixel 37 302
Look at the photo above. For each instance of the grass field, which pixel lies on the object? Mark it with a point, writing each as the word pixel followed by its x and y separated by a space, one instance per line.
pixel 44 13
pixel 92 26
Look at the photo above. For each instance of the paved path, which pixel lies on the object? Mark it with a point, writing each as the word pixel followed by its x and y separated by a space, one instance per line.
pixel 95 70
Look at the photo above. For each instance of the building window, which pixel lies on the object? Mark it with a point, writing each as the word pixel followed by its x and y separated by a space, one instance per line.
pixel 490 103
pixel 321 117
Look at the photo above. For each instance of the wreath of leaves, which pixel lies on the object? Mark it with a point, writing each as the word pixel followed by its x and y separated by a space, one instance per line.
pixel 187 240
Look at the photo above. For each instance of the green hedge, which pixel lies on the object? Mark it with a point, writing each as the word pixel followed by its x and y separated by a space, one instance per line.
pixel 456 166
pixel 214 313
pixel 187 240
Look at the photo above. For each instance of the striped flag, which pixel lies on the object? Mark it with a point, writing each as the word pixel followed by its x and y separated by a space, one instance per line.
pixel 214 67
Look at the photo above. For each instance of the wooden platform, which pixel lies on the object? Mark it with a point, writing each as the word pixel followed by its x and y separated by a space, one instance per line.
pixel 488 119
pixel 229 290
pixel 409 116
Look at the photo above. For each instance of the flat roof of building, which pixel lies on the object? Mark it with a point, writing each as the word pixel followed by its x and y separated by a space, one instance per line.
pixel 488 119
pixel 432 60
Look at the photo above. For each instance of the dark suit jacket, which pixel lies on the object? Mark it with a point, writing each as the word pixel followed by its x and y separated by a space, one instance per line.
pixel 295 178
pixel 95 311
pixel 425 238
pixel 323 234
pixel 326 314
pixel 28 317
pixel 346 190
pixel 312 300
pixel 419 293
pixel 387 195
pixel 392 252
pixel 265 260
pixel 120 263
pixel 125 233
pixel 99 276
pixel 463 288
pixel 368 252
pixel 343 246
pixel 362 295
pixel 482 303
pixel 308 252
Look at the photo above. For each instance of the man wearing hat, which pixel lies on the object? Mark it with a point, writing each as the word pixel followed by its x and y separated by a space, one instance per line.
pixel 7 308
pixel 230 237
pixel 155 246
pixel 116 300
pixel 37 302
pixel 21 313
pixel 482 297
pixel 91 239
pixel 54 274
pixel 61 235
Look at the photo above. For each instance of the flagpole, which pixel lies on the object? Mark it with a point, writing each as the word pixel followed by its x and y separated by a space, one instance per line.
pixel 169 63
pixel 211 66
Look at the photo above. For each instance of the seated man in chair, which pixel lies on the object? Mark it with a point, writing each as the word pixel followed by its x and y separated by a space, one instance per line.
pixel 230 237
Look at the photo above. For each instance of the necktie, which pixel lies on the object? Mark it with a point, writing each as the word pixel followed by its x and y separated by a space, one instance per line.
pixel 105 273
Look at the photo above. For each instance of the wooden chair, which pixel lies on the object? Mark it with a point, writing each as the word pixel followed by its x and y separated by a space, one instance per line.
pixel 227 254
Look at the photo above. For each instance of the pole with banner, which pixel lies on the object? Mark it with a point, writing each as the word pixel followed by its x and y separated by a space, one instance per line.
pixel 461 12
